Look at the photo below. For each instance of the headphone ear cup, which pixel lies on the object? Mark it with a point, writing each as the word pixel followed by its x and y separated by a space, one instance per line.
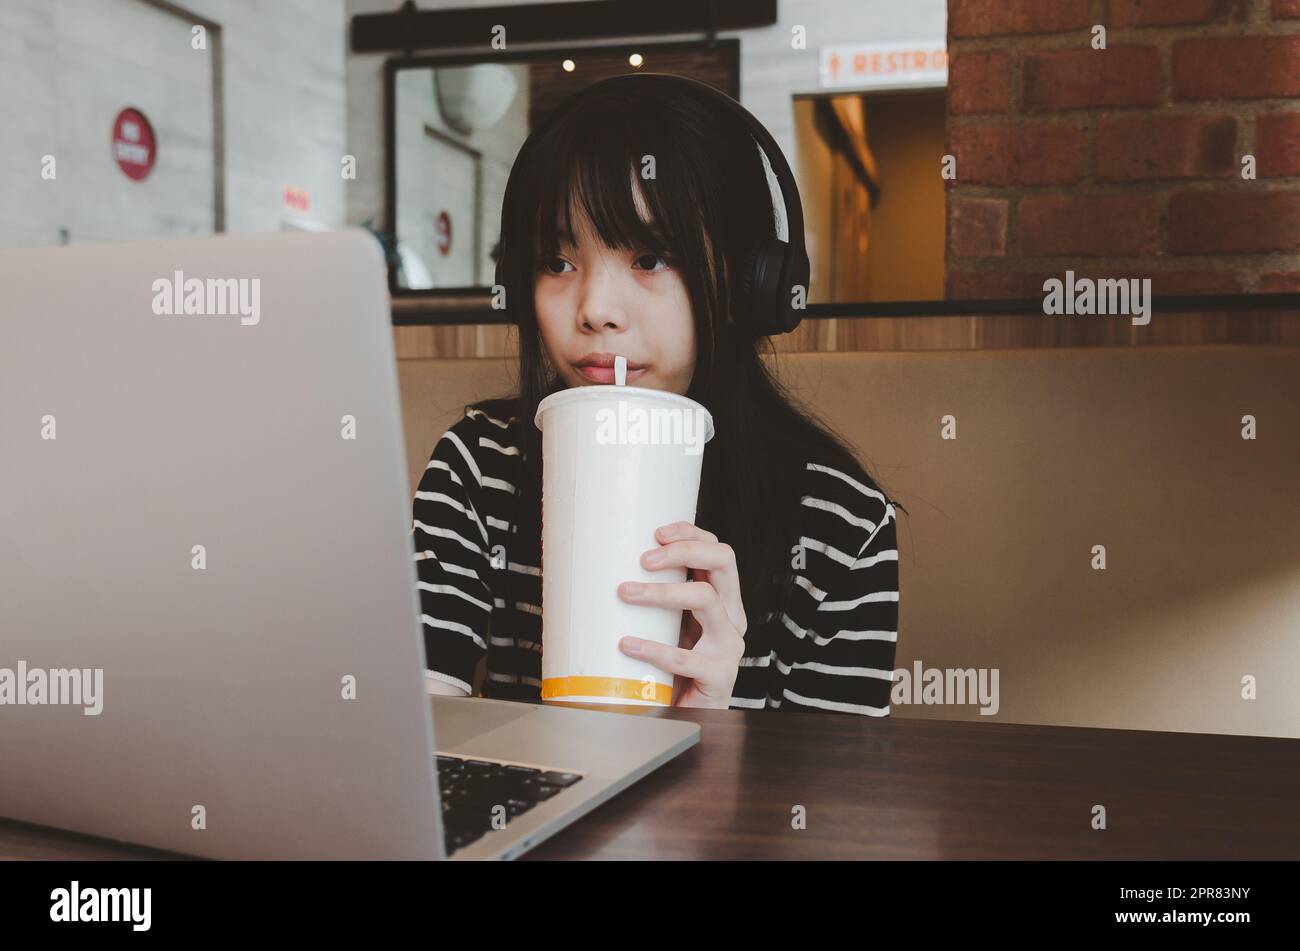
pixel 796 273
pixel 744 298
pixel 763 302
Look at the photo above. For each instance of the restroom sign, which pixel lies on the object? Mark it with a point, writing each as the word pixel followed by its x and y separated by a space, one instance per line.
pixel 134 146
pixel 885 65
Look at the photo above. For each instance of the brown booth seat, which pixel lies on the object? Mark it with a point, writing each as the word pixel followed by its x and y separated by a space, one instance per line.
pixel 1057 451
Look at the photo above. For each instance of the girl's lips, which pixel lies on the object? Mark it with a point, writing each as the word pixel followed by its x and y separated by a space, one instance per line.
pixel 606 374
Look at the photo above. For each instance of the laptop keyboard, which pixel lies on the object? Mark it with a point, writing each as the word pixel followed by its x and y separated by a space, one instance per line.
pixel 472 789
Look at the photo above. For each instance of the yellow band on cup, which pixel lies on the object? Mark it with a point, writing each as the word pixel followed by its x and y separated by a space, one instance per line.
pixel 623 688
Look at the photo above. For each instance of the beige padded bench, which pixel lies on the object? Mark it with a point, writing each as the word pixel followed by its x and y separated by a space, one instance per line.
pixel 1057 451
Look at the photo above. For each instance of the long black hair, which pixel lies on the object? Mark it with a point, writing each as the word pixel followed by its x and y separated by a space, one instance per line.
pixel 708 200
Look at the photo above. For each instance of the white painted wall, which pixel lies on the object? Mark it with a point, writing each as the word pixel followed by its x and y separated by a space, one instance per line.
pixel 68 67
pixel 295 102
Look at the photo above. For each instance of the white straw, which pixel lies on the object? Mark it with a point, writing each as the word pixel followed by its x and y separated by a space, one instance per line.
pixel 620 371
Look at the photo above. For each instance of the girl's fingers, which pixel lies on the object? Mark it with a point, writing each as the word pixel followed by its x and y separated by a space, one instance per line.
pixel 673 660
pixel 718 559
pixel 698 597
pixel 674 531
pixel 700 678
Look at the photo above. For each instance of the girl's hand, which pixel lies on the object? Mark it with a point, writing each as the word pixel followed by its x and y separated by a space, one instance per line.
pixel 707 659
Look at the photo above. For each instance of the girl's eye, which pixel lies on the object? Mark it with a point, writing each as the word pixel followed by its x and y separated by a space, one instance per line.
pixel 550 265
pixel 547 262
pixel 656 257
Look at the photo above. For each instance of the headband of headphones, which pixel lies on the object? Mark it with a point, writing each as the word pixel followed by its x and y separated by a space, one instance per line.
pixel 773 268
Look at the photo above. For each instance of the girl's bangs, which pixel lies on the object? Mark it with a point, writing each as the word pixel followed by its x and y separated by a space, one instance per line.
pixel 596 181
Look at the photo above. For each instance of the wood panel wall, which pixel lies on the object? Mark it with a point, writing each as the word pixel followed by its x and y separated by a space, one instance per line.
pixel 927 333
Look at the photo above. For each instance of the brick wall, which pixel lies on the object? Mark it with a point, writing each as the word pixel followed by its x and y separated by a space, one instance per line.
pixel 1127 161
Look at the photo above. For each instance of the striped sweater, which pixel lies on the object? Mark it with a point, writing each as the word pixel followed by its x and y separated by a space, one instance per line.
pixel 480 585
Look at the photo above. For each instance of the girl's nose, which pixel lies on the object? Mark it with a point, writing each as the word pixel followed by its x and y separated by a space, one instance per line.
pixel 599 308
pixel 609 321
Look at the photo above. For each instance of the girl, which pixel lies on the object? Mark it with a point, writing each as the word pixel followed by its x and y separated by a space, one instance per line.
pixel 792 597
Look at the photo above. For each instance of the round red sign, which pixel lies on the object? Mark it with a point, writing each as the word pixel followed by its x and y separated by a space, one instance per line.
pixel 442 232
pixel 134 147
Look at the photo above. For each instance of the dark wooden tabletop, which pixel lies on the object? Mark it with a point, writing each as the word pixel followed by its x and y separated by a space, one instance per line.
pixel 902 788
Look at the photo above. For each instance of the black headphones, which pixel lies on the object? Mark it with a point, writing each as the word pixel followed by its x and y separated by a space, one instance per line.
pixel 773 268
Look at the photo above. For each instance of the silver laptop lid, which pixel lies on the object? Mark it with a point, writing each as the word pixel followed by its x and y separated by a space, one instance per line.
pixel 204 513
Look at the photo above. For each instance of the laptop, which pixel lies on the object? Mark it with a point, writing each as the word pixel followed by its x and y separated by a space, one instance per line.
pixel 210 622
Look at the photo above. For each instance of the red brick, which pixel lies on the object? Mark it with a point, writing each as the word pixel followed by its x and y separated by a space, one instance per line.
pixel 1242 221
pixel 977 83
pixel 1120 13
pixel 1279 282
pixel 1286 9
pixel 1088 225
pixel 1162 282
pixel 1237 67
pixel 1149 147
pixel 1195 282
pixel 1002 17
pixel 1021 284
pixel 977 227
pixel 962 284
pixel 1277 144
pixel 1040 153
pixel 1086 78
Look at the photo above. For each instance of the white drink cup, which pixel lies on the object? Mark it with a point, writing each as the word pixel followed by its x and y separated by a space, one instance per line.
pixel 606 486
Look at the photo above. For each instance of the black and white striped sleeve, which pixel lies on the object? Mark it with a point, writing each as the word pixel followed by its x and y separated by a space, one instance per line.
pixel 453 559
pixel 847 658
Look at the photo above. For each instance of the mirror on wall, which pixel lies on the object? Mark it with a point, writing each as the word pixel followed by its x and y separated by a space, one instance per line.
pixel 456 124
pixel 457 129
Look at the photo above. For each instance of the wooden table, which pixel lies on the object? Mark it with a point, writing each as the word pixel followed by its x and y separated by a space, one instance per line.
pixel 903 788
